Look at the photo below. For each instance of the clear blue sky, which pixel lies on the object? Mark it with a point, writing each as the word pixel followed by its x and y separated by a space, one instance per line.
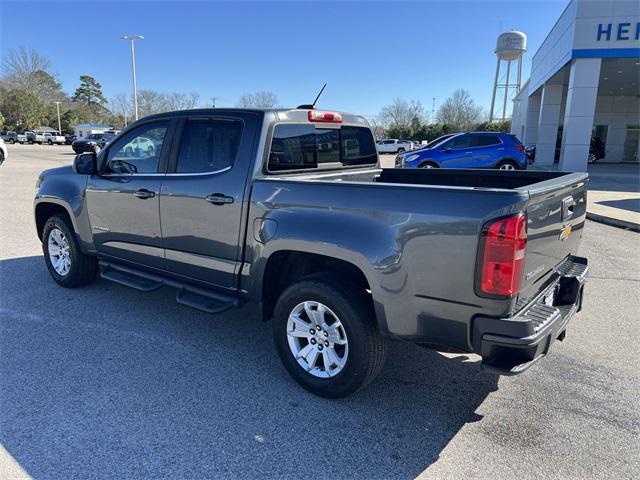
pixel 368 52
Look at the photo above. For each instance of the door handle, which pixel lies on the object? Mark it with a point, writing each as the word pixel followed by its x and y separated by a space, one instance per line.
pixel 218 199
pixel 144 193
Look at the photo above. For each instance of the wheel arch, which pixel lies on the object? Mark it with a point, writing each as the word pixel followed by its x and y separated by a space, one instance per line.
pixel 45 209
pixel 508 160
pixel 428 160
pixel 286 266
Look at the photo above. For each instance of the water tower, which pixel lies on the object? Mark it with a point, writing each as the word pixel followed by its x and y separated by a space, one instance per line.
pixel 510 48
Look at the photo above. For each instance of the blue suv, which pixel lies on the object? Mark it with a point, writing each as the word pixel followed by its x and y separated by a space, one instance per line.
pixel 468 150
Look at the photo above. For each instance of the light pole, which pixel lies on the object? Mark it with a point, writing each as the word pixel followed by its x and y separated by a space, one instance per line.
pixel 58 110
pixel 133 38
pixel 433 111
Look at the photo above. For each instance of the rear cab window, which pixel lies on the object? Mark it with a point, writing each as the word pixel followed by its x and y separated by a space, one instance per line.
pixel 296 147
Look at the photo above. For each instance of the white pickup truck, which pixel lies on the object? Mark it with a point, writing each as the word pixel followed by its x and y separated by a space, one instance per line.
pixel 52 138
pixel 393 145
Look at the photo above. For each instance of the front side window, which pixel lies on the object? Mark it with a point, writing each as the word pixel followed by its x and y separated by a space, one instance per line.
pixel 208 145
pixel 458 142
pixel 138 151
pixel 303 146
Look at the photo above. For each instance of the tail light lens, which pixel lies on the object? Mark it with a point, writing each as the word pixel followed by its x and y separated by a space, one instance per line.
pixel 520 148
pixel 503 246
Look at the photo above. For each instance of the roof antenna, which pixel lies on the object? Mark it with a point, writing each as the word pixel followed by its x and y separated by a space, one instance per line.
pixel 313 105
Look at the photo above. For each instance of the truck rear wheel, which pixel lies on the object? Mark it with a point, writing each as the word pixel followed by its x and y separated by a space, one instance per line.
pixel 68 266
pixel 325 335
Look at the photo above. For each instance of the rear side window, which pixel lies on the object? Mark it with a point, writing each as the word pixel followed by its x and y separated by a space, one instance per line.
pixel 208 145
pixel 487 140
pixel 303 147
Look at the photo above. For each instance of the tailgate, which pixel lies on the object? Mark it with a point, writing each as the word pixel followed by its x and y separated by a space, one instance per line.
pixel 556 214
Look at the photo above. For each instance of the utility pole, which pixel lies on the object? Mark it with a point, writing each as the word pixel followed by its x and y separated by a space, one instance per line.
pixel 213 102
pixel 58 110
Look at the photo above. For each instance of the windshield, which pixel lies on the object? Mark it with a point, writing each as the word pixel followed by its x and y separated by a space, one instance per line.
pixel 439 140
pixel 95 136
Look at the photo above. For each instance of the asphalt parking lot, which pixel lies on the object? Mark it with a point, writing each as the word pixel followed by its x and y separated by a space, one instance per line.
pixel 108 382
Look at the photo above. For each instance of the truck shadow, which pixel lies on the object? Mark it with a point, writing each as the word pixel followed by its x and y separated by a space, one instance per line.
pixel 105 381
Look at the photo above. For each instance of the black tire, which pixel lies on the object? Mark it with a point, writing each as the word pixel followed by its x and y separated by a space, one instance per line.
pixel 367 348
pixel 84 268
pixel 30 142
pixel 50 142
pixel 428 165
pixel 12 141
pixel 401 150
pixel 1 157
pixel 504 163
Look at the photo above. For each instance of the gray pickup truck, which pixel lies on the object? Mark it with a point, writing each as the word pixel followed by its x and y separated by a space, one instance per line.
pixel 288 210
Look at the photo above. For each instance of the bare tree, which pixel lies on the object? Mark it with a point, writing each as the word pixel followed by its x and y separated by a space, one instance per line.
pixel 258 100
pixel 25 69
pixel 121 104
pixel 378 126
pixel 150 101
pixel 180 101
pixel 459 111
pixel 401 113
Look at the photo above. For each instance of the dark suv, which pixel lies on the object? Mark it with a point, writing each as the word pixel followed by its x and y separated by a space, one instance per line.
pixel 469 150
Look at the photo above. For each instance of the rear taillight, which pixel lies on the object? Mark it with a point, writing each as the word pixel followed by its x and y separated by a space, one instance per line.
pixel 324 117
pixel 520 148
pixel 503 246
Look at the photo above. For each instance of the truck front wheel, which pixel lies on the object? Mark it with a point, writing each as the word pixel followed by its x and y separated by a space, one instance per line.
pixel 326 337
pixel 68 266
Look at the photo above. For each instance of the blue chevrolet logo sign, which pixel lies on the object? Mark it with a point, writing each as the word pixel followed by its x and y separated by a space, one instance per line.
pixel 620 31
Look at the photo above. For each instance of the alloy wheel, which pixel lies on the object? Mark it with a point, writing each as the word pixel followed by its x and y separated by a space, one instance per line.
pixel 507 166
pixel 59 252
pixel 317 339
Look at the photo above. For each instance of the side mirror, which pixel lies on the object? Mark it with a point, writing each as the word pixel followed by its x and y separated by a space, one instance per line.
pixel 85 163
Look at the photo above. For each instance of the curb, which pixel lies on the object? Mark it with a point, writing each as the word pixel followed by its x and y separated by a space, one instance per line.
pixel 614 222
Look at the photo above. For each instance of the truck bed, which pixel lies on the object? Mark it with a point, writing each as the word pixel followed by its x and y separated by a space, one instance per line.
pixel 425 225
pixel 466 178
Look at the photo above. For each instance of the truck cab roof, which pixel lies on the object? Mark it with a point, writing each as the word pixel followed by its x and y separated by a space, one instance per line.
pixel 277 114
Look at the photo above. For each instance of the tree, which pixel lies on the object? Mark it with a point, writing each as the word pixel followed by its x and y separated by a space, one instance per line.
pixel 89 92
pixel 459 111
pixel 24 69
pixel 261 99
pixel 501 126
pixel 180 101
pixel 150 102
pixel 23 110
pixel 402 113
pixel 121 104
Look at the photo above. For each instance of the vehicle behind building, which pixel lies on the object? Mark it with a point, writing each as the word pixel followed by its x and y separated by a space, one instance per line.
pixel 501 151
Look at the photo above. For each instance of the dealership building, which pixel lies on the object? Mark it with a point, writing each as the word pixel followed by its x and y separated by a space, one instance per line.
pixel 584 83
